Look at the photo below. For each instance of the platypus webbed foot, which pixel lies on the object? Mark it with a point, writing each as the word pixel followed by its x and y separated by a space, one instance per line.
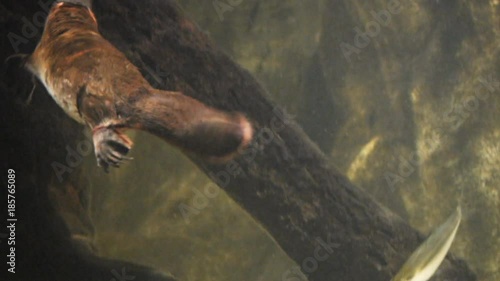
pixel 111 147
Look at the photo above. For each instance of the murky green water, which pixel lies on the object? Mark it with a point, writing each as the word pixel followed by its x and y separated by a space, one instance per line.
pixel 404 99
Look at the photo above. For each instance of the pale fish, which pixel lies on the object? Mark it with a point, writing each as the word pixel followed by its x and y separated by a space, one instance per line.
pixel 425 260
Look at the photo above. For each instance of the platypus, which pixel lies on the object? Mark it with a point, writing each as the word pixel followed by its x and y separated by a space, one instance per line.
pixel 98 86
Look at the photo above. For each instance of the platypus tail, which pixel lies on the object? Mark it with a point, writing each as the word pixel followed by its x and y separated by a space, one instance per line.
pixel 191 125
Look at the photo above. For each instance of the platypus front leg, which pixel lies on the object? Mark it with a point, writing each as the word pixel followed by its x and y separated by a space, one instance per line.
pixel 111 146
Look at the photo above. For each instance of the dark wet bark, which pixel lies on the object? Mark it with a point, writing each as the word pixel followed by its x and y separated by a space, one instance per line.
pixel 283 180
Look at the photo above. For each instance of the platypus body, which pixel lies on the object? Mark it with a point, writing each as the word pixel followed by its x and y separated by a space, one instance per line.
pixel 97 85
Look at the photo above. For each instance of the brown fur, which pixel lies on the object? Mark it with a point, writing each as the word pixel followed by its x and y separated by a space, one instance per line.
pixel 96 84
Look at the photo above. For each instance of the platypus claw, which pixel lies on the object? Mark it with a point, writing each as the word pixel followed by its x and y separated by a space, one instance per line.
pixel 111 147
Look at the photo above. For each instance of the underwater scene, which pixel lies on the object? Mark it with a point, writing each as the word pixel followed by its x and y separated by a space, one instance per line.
pixel 223 140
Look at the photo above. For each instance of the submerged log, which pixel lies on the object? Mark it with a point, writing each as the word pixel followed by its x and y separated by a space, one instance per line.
pixel 329 227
